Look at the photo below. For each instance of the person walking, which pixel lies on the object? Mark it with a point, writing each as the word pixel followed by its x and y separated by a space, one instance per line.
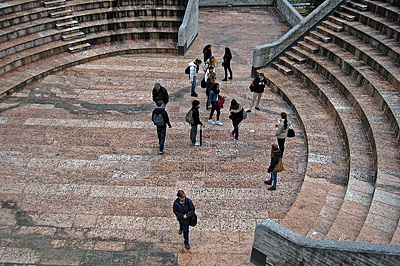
pixel 236 117
pixel 196 122
pixel 275 157
pixel 207 53
pixel 283 127
pixel 161 120
pixel 183 209
pixel 259 85
pixel 194 69
pixel 227 63
pixel 214 96
pixel 160 94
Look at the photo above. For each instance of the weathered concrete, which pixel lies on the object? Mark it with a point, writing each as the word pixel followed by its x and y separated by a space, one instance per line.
pixel 263 55
pixel 276 245
pixel 189 28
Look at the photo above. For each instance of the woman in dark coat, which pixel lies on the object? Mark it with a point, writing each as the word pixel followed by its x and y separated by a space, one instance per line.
pixel 227 63
pixel 236 117
pixel 183 209
pixel 275 156
pixel 207 52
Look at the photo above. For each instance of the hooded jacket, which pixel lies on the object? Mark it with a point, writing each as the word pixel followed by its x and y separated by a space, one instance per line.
pixel 237 114
pixel 193 70
pixel 160 110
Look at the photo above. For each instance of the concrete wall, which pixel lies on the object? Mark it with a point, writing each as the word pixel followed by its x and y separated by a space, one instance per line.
pixel 275 245
pixel 263 55
pixel 189 28
pixel 290 13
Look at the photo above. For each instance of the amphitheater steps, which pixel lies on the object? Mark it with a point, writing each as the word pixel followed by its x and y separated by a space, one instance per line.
pixel 384 92
pixel 361 172
pixel 12 81
pixel 324 186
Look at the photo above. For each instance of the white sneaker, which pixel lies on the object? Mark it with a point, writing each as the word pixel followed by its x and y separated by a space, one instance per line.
pixel 196 144
pixel 219 123
pixel 211 121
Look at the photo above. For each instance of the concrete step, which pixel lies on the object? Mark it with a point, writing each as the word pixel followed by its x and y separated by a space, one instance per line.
pixel 73 35
pixel 295 57
pixel 54 3
pixel 308 47
pixel 344 15
pixel 282 68
pixel 332 26
pixel 79 47
pixel 320 37
pixel 383 9
pixel 61 13
pixel 356 5
pixel 67 24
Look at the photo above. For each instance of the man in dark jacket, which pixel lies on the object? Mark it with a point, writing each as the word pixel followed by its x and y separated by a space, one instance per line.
pixel 183 209
pixel 161 120
pixel 160 94
pixel 258 85
pixel 196 122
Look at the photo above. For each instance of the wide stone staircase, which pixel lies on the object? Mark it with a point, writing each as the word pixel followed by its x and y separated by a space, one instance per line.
pixel 36 36
pixel 348 68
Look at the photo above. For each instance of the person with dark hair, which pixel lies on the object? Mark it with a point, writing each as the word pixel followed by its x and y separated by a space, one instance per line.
pixel 207 52
pixel 258 85
pixel 227 63
pixel 214 96
pixel 160 94
pixel 283 127
pixel 210 63
pixel 275 157
pixel 161 120
pixel 183 209
pixel 236 117
pixel 210 82
pixel 194 69
pixel 196 122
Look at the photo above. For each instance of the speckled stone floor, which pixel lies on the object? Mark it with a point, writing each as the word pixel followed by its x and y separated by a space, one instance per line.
pixel 82 182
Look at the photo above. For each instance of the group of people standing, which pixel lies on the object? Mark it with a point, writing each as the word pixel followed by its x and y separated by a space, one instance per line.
pixel 183 207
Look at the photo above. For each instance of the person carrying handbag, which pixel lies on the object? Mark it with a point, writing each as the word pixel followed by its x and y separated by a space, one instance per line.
pixel 183 209
pixel 275 166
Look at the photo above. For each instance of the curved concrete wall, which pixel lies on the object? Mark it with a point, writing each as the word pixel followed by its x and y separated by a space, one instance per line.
pixel 276 245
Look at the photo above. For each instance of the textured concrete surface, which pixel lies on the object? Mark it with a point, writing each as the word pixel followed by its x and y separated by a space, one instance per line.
pixel 82 182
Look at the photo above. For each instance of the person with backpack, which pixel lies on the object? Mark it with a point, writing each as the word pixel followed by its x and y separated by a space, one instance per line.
pixel 161 120
pixel 214 96
pixel 258 85
pixel 274 167
pixel 194 121
pixel 193 69
pixel 236 117
pixel 160 94
pixel 184 210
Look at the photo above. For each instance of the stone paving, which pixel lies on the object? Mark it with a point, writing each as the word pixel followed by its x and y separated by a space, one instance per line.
pixel 82 182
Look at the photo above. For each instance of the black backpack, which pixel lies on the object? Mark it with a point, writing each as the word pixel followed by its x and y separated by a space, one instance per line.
pixel 187 70
pixel 189 117
pixel 158 119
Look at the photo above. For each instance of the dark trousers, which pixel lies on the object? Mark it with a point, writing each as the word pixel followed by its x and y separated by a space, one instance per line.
pixel 235 131
pixel 184 226
pixel 193 134
pixel 226 68
pixel 215 107
pixel 161 132
pixel 281 144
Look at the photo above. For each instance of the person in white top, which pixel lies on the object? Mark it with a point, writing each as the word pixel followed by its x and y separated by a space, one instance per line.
pixel 283 127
